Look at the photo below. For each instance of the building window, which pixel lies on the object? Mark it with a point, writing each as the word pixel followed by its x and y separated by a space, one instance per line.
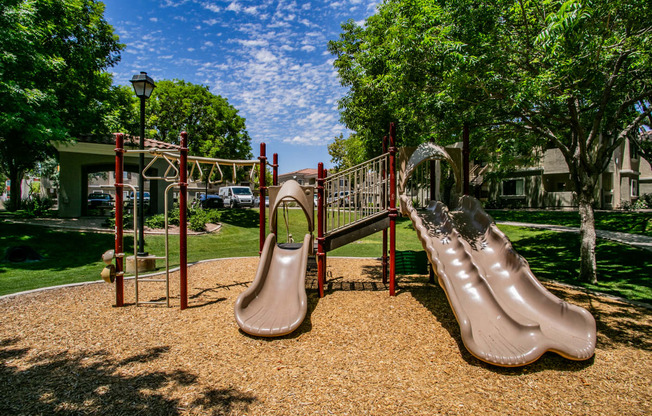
pixel 633 150
pixel 514 187
pixel 633 188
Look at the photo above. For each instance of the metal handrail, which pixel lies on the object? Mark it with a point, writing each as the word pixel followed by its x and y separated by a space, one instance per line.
pixel 355 194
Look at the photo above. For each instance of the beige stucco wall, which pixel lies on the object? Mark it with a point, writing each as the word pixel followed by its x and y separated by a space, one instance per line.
pixel 74 158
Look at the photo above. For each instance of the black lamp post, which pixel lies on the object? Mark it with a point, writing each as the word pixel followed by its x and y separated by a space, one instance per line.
pixel 143 87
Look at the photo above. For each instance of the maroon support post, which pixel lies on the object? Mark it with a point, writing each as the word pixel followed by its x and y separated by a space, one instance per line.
pixel 275 169
pixel 393 212
pixel 274 182
pixel 384 199
pixel 183 221
pixel 263 187
pixel 321 240
pixel 119 246
pixel 465 158
pixel 433 196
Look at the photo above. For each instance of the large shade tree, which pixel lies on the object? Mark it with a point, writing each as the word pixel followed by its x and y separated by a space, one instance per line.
pixel 53 57
pixel 525 75
pixel 215 129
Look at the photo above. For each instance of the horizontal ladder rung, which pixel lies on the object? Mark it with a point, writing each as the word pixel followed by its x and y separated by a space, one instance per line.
pixel 152 280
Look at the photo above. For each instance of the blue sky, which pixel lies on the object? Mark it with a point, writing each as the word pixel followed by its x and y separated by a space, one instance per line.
pixel 267 57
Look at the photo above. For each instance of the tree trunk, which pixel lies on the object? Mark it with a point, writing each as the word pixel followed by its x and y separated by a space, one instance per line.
pixel 16 178
pixel 588 265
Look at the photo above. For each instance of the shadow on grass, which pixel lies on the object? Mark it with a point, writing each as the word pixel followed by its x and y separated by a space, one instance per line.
pixel 622 270
pixel 628 222
pixel 92 382
pixel 62 250
pixel 246 218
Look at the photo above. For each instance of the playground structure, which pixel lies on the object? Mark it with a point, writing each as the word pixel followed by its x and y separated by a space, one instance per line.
pixel 506 316
pixel 180 171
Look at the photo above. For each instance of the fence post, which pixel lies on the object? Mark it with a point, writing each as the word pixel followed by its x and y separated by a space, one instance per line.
pixel 119 244
pixel 183 221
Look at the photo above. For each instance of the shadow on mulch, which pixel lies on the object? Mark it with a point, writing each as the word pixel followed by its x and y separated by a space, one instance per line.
pixel 617 323
pixel 92 382
pixel 434 299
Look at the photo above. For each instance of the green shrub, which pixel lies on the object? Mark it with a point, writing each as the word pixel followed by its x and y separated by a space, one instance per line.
pixel 197 222
pixel 127 220
pixel 155 221
pixel 37 206
pixel 643 202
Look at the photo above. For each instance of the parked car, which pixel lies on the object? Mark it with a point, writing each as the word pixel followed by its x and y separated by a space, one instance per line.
pixel 210 201
pixel 100 200
pixel 237 196
pixel 257 201
pixel 130 197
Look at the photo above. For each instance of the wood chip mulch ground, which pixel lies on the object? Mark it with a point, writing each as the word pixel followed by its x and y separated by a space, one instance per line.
pixel 359 352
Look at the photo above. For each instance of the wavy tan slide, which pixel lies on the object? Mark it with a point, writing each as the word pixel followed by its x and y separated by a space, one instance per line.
pixel 506 316
pixel 276 303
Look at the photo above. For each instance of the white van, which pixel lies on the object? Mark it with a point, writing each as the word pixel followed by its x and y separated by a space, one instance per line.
pixel 237 196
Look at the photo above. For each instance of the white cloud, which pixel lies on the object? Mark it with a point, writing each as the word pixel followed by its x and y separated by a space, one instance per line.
pixel 308 48
pixel 252 42
pixel 234 7
pixel 252 10
pixel 153 19
pixel 265 56
pixel 212 7
pixel 211 22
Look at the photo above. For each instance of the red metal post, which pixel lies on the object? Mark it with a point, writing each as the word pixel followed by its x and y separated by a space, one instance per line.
pixel 183 221
pixel 384 199
pixel 274 182
pixel 465 158
pixel 321 240
pixel 393 212
pixel 119 246
pixel 263 187
pixel 275 169
pixel 433 197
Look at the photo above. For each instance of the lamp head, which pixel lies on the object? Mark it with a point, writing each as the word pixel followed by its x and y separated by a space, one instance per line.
pixel 143 85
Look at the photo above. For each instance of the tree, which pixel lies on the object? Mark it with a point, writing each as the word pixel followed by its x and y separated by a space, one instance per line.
pixel 346 153
pixel 53 56
pixel 123 110
pixel 214 127
pixel 572 74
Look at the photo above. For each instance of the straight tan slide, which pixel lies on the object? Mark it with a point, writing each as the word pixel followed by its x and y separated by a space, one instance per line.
pixel 276 302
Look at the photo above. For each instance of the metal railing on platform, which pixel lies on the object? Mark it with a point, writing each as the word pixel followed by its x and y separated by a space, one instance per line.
pixel 355 194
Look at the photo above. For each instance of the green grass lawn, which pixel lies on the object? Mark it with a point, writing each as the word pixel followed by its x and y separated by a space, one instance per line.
pixel 623 221
pixel 75 257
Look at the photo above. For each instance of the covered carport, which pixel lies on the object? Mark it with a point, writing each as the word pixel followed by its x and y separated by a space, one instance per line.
pixel 97 154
